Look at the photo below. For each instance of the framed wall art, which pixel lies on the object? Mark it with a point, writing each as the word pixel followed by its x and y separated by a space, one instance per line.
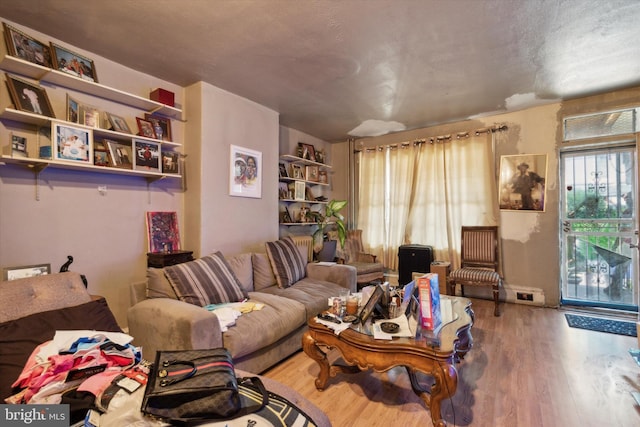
pixel 120 154
pixel 29 97
pixel 13 273
pixel 71 143
pixel 73 63
pixel 146 155
pixel 162 231
pixel 245 172
pixel 161 126
pixel 23 46
pixel 522 182
pixel 117 123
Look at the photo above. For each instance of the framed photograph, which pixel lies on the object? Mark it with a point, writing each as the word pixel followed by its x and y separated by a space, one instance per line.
pixel 73 63
pixel 283 170
pixel 13 273
pixel 120 154
pixel 89 116
pixel 71 143
pixel 100 154
pixel 146 155
pixel 245 172
pixel 299 190
pixel 283 190
pixel 522 182
pixel 312 173
pixel 323 177
pixel 118 124
pixel 145 128
pixel 161 126
pixel 367 309
pixel 29 97
pixel 162 232
pixel 18 146
pixel 170 162
pixel 73 110
pixel 286 216
pixel 296 172
pixel 23 46
pixel 308 151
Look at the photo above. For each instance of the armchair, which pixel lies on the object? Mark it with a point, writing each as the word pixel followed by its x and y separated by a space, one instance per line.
pixel 367 268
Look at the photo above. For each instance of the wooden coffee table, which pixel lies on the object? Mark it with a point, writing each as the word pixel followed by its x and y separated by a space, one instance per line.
pixel 361 351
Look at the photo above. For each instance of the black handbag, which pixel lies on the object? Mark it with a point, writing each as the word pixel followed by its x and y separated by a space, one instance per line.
pixel 192 385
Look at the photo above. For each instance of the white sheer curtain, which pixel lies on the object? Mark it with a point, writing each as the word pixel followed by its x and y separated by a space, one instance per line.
pixel 424 193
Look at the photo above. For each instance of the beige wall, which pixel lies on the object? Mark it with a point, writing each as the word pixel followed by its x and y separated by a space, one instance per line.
pixel 104 233
pixel 530 240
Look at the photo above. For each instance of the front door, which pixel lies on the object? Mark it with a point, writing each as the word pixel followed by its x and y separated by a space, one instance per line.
pixel 599 228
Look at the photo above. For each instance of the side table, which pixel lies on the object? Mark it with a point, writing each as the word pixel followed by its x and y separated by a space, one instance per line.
pixel 163 259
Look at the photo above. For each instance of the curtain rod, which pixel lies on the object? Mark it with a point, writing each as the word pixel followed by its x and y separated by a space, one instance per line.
pixel 439 138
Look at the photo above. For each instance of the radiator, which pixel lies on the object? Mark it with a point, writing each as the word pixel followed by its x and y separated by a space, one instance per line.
pixel 305 243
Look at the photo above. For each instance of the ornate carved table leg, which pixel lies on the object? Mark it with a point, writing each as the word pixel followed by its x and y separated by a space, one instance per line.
pixel 313 351
pixel 445 386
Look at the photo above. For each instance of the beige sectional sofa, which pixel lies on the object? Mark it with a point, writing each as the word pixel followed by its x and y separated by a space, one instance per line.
pixel 160 320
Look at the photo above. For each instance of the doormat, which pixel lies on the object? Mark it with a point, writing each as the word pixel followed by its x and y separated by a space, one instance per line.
pixel 601 325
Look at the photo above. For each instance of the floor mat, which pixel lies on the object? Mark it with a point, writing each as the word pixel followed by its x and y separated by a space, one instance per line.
pixel 602 325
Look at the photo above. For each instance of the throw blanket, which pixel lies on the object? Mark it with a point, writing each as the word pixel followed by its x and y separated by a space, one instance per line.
pixel 227 313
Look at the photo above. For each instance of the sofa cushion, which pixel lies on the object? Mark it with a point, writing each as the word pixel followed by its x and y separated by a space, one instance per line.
pixel 314 294
pixel 242 268
pixel 258 329
pixel 262 273
pixel 158 285
pixel 287 262
pixel 19 337
pixel 208 280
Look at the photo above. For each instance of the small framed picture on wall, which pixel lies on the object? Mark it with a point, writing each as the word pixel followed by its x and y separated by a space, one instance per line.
pixel 245 172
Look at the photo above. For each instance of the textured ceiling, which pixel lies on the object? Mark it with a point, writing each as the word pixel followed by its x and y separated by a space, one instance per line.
pixel 329 66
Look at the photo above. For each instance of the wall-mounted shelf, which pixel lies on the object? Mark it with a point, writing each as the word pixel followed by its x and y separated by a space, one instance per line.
pixel 300 160
pixel 58 78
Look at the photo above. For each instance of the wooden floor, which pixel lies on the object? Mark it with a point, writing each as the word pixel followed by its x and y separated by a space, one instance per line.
pixel 526 368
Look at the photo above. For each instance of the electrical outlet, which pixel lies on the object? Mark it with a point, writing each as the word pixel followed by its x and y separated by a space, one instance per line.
pixel 524 296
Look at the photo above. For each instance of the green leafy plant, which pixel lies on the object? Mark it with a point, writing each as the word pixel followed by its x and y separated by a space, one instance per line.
pixel 330 216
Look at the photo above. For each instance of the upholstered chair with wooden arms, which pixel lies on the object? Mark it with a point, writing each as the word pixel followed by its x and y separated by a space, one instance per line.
pixel 367 268
pixel 479 262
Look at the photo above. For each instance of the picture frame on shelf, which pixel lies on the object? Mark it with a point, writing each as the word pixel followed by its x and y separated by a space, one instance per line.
pixel 245 172
pixel 100 154
pixel 25 271
pixel 323 177
pixel 283 170
pixel 299 191
pixel 170 162
pixel 308 151
pixel 523 182
pixel 73 63
pixel 161 126
pixel 23 46
pixel 71 143
pixel 145 128
pixel 320 157
pixel 29 97
pixel 18 145
pixel 297 172
pixel 146 155
pixel 73 109
pixel 117 123
pixel 311 173
pixel 283 191
pixel 286 216
pixel 89 116
pixel 120 154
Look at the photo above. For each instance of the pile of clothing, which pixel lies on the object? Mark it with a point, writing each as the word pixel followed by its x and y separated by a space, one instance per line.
pixel 84 369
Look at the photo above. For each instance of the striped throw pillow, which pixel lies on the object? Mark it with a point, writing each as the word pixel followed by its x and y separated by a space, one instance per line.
pixel 208 280
pixel 287 262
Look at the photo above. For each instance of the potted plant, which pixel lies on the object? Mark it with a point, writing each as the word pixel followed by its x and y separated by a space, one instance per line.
pixel 330 216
